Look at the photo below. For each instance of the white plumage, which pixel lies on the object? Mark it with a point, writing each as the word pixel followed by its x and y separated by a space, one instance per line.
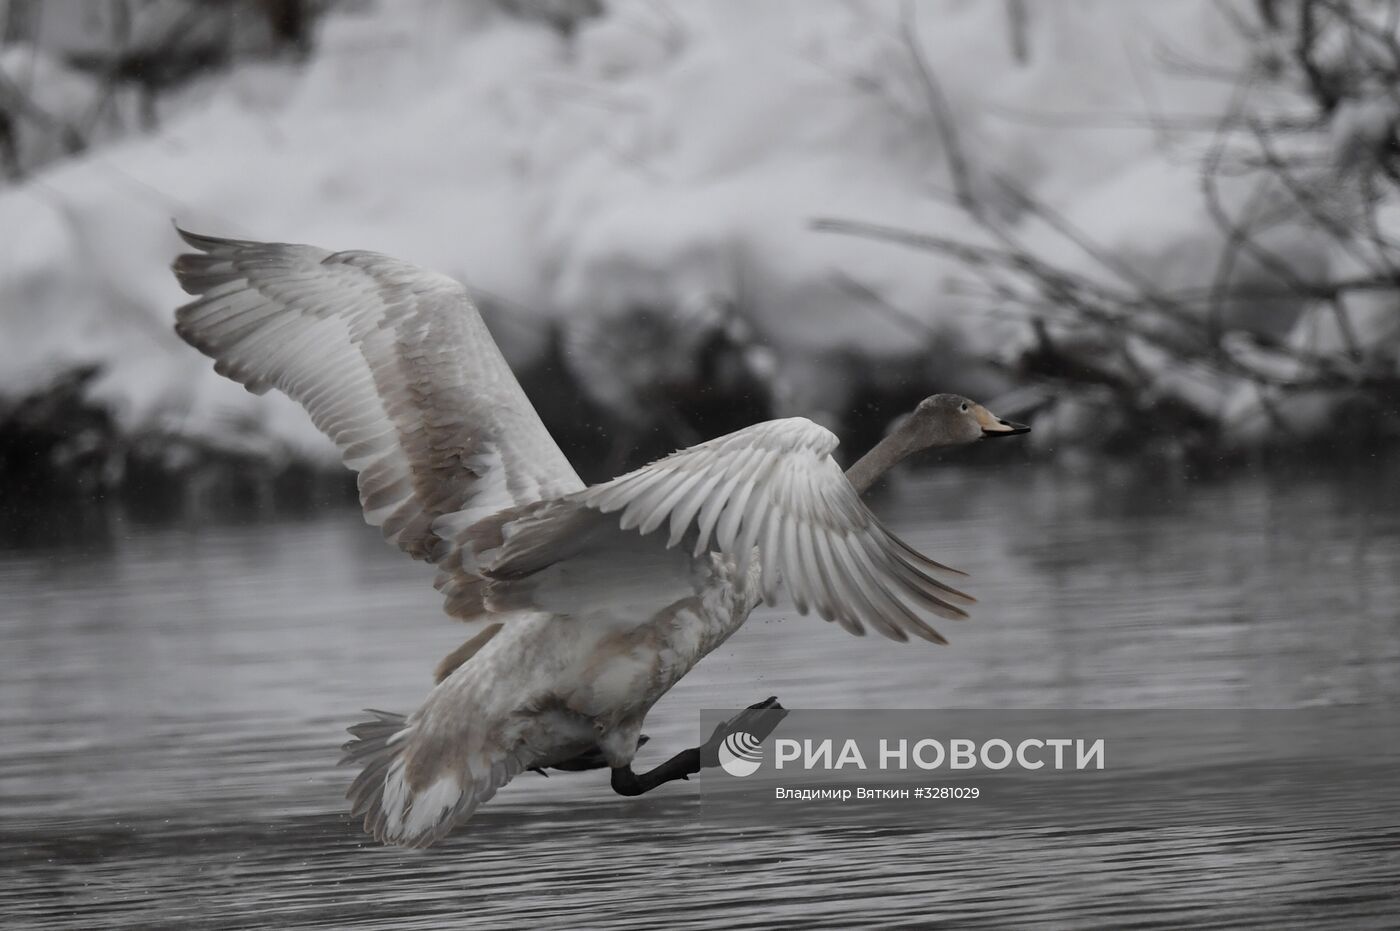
pixel 590 603
pixel 774 486
pixel 392 362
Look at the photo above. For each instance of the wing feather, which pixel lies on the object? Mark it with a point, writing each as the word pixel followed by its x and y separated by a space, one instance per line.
pixel 775 487
pixel 395 365
pixel 721 495
pixel 688 508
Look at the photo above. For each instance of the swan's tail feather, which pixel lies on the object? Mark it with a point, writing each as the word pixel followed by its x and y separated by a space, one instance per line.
pixel 414 785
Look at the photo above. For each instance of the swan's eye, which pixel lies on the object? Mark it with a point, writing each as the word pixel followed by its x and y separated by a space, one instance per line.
pixel 964 407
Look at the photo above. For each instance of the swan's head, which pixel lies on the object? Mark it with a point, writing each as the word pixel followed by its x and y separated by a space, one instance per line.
pixel 953 420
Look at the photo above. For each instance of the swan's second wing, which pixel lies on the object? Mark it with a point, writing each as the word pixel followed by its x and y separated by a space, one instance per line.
pixel 774 486
pixel 395 365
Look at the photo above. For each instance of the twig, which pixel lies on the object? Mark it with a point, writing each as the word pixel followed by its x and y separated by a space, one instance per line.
pixel 942 114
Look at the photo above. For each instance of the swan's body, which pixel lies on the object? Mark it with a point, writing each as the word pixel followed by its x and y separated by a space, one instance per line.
pixel 589 603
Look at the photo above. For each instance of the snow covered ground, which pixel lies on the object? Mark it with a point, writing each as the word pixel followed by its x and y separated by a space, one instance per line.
pixel 666 159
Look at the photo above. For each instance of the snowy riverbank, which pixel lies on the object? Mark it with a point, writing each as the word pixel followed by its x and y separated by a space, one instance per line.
pixel 634 202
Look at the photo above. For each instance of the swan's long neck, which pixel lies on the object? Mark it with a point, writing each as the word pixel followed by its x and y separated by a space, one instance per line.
pixel 881 458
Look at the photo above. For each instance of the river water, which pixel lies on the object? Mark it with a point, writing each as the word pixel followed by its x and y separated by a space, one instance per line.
pixel 174 695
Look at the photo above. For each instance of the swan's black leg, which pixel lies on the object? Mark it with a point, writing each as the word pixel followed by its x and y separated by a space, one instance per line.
pixel 680 766
pixel 758 719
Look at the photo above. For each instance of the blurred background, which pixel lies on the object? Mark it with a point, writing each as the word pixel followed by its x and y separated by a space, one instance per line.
pixel 1167 235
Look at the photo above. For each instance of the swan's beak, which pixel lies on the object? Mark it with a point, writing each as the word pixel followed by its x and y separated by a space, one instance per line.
pixel 992 425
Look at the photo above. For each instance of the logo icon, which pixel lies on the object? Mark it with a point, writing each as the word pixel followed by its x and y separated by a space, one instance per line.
pixel 740 754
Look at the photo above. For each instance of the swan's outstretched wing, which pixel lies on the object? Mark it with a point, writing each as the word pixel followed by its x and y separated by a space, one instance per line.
pixel 394 364
pixel 773 486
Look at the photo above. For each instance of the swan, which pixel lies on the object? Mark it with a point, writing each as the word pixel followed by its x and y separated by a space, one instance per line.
pixel 587 603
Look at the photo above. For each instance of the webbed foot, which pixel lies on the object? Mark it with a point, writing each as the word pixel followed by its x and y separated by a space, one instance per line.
pixel 759 720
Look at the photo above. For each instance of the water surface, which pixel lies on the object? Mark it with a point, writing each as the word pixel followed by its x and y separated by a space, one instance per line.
pixel 173 699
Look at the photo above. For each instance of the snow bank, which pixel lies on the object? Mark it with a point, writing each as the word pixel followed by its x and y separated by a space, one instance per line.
pixel 1358 338
pixel 702 186
pixel 390 139
pixel 665 160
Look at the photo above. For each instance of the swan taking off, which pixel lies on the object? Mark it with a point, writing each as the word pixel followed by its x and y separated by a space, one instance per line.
pixel 588 603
